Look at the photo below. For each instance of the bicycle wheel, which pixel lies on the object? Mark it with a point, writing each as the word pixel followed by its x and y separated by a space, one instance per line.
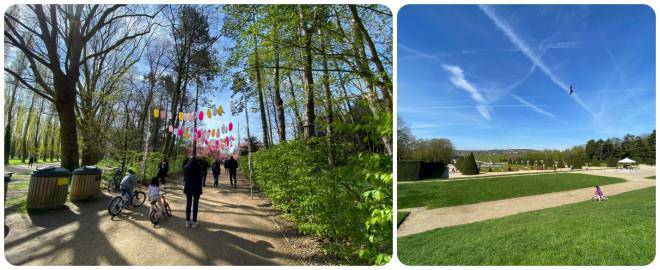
pixel 116 205
pixel 138 198
pixel 168 210
pixel 153 216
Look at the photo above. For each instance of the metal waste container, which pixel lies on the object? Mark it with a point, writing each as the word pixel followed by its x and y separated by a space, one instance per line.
pixel 48 188
pixel 85 183
pixel 7 180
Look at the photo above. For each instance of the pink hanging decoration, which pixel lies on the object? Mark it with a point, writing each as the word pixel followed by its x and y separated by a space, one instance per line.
pixel 231 126
pixel 226 140
pixel 170 128
pixel 206 142
pixel 217 143
pixel 163 114
pixel 201 116
pixel 180 132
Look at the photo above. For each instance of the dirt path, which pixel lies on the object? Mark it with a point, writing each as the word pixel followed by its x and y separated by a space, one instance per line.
pixel 422 219
pixel 234 230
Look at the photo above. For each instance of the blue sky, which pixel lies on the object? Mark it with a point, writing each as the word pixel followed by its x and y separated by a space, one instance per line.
pixel 493 77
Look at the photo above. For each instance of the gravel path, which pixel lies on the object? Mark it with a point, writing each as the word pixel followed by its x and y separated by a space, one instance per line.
pixel 422 219
pixel 234 230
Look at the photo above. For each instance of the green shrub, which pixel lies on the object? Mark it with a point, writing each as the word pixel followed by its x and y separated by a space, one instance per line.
pixel 350 205
pixel 408 170
pixel 560 164
pixel 470 166
pixel 577 162
pixel 611 162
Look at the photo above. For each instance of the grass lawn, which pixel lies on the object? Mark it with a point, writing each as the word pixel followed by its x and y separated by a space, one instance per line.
pixel 451 193
pixel 18 161
pixel 650 177
pixel 401 216
pixel 620 231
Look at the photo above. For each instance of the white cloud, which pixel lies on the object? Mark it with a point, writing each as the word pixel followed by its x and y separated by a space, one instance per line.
pixel 458 79
pixel 534 107
pixel 529 53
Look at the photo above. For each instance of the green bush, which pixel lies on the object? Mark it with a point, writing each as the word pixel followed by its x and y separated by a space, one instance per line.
pixel 611 162
pixel 408 170
pixel 349 204
pixel 470 166
pixel 577 162
pixel 561 164
pixel 134 159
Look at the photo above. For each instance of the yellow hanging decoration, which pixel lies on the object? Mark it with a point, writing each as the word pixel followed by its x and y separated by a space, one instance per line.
pixel 220 111
pixel 187 134
pixel 213 133
pixel 180 116
pixel 156 112
pixel 208 113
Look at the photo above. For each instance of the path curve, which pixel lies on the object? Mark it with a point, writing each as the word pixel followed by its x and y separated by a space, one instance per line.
pixel 421 219
pixel 234 230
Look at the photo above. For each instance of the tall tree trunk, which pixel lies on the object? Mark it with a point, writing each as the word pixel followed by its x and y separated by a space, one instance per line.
pixel 294 103
pixel 69 138
pixel 329 117
pixel 26 127
pixel 308 78
pixel 262 108
pixel 279 104
pixel 10 110
pixel 37 127
pixel 386 83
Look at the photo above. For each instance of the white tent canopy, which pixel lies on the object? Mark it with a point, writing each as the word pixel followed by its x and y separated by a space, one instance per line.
pixel 627 161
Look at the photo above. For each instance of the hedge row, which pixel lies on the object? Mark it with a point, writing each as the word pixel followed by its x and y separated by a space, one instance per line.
pixel 408 170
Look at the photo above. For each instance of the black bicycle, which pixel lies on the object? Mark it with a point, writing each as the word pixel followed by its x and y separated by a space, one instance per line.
pixel 113 183
pixel 117 203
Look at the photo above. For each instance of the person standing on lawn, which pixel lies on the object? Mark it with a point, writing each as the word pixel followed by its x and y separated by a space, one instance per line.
pixel 232 165
pixel 192 187
pixel 163 168
pixel 215 168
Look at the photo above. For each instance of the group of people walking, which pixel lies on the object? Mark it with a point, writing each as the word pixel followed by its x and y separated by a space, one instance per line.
pixel 195 170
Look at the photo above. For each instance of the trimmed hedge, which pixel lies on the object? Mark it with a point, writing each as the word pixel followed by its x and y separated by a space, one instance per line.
pixel 418 170
pixel 469 166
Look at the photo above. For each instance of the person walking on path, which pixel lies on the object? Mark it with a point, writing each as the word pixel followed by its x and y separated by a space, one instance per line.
pixel 205 169
pixel 192 187
pixel 215 168
pixel 231 165
pixel 163 169
pixel 30 162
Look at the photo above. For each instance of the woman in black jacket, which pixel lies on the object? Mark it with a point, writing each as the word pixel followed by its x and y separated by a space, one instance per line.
pixel 163 169
pixel 192 187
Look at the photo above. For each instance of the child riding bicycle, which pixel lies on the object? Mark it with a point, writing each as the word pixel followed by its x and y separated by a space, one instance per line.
pixel 155 194
pixel 127 185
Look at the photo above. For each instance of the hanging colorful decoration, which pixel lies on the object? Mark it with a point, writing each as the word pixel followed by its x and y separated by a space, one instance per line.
pixel 208 113
pixel 170 128
pixel 180 116
pixel 220 111
pixel 201 116
pixel 213 133
pixel 180 132
pixel 156 111
pixel 163 115
pixel 231 126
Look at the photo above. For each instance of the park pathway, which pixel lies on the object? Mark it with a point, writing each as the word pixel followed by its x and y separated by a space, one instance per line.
pixel 234 230
pixel 421 219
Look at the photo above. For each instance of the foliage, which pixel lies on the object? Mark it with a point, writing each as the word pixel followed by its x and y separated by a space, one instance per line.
pixel 620 231
pixel 560 163
pixel 435 194
pixel 611 162
pixel 408 170
pixel 430 150
pixel 350 205
pixel 401 217
pixel 469 166
pixel 134 159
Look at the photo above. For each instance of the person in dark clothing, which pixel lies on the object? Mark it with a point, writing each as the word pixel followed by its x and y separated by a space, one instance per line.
pixel 215 168
pixel 232 165
pixel 30 161
pixel 205 169
pixel 192 187
pixel 224 164
pixel 163 168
